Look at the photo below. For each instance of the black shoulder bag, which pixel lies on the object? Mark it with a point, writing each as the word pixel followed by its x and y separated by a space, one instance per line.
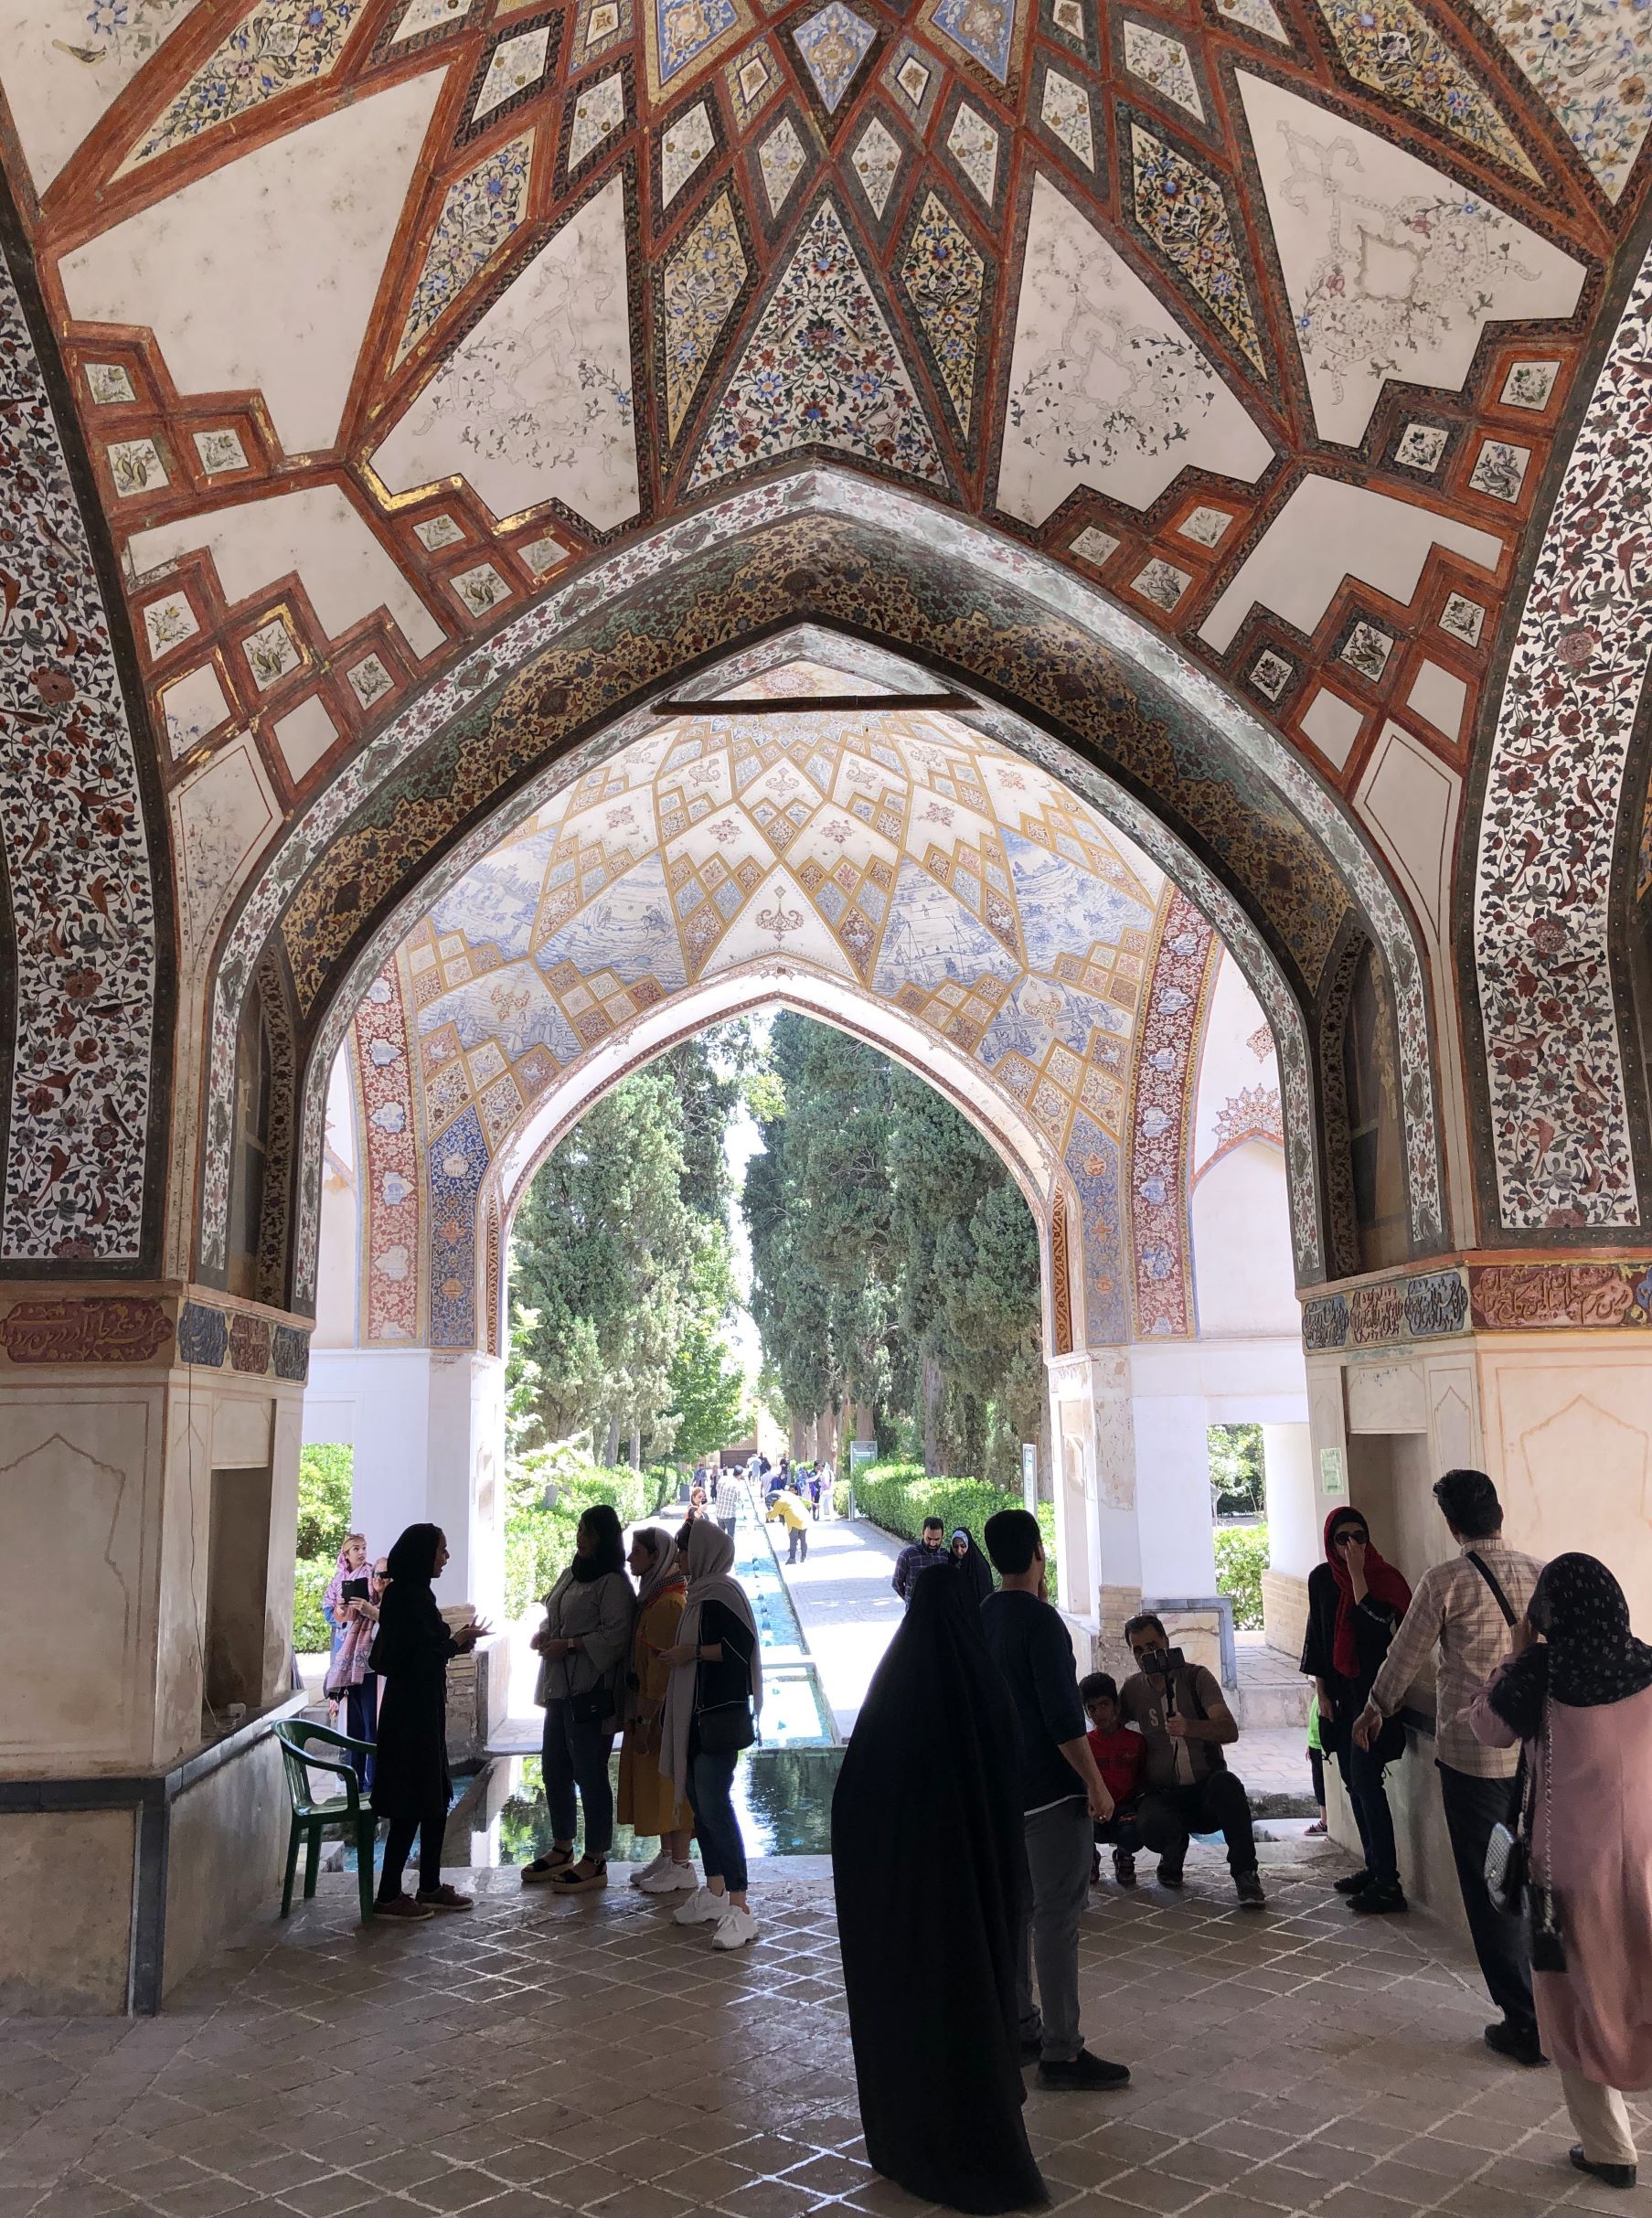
pixel 1509 1846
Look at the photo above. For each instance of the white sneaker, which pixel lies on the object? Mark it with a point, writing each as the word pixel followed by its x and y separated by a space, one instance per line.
pixel 671 1878
pixel 645 1872
pixel 734 1928
pixel 702 1908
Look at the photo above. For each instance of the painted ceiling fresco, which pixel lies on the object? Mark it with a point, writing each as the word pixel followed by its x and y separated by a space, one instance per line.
pixel 925 868
pixel 379 314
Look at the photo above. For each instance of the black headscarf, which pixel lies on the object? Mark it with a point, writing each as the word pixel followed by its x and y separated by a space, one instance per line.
pixel 1588 1656
pixel 608 1551
pixel 412 1560
pixel 928 1861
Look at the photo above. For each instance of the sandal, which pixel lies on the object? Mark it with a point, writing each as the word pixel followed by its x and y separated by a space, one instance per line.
pixel 572 1880
pixel 548 1866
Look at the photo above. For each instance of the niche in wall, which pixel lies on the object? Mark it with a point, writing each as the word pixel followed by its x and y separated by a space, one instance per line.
pixel 238 1579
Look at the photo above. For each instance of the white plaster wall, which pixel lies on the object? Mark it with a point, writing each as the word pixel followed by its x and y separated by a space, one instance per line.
pixel 338 1260
pixel 1293 1529
pixel 428 1429
pixel 1243 1275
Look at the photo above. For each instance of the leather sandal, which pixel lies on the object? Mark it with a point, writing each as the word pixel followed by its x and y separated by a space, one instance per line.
pixel 571 1880
pixel 548 1866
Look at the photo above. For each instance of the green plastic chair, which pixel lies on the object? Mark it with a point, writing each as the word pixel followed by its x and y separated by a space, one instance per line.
pixel 311 1819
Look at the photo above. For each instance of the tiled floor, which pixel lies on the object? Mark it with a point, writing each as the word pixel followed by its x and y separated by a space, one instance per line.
pixel 538 2057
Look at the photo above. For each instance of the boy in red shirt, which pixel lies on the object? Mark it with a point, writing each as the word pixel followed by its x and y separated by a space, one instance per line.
pixel 1118 1752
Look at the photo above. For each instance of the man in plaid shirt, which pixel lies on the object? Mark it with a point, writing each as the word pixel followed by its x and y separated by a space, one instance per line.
pixel 1457 1609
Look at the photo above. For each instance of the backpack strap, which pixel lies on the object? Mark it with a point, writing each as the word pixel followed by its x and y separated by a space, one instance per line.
pixel 1490 1578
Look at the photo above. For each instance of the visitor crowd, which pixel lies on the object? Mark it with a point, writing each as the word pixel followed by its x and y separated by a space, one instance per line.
pixel 1543 1742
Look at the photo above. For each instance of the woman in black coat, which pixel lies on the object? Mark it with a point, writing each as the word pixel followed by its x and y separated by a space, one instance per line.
pixel 968 1560
pixel 929 1861
pixel 411 1786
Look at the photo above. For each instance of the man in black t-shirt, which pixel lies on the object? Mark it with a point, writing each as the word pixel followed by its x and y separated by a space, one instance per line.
pixel 1062 1794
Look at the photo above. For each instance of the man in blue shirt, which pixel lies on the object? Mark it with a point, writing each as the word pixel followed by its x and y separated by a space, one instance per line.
pixel 919 1557
pixel 1062 1794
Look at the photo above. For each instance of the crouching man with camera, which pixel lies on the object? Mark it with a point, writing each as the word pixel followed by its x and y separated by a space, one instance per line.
pixel 1178 1710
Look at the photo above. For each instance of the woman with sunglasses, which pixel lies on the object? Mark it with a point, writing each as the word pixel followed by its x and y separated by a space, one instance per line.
pixel 1355 1601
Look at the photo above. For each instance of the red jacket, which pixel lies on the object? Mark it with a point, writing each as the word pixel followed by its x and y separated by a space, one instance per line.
pixel 1118 1759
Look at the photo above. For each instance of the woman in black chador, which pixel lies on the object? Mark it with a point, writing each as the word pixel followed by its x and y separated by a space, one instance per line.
pixel 928 1863
pixel 411 1783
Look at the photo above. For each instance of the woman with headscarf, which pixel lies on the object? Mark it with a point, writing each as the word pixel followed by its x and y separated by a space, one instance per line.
pixel 1577 1690
pixel 971 1564
pixel 411 1786
pixel 712 1699
pixel 1355 1600
pixel 928 1861
pixel 647 1803
pixel 334 1608
pixel 583 1641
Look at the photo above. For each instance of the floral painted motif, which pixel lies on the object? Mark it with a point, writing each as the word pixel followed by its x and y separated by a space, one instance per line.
pixel 82 901
pixel 1251 1114
pixel 1270 673
pixel 277 46
pixel 974 144
pixel 1392 46
pixel 166 622
pixel 1543 875
pixel 1184 215
pixel 369 680
pixel 833 42
pixel 1590 62
pixel 703 281
pixel 1529 384
pixel 1162 63
pixel 1065 111
pixel 598 111
pixel 390 1163
pixel 944 277
pixel 271 654
pixel 752 78
pixel 781 161
pixel 478 215
pixel 1160 1111
pixel 1367 650
pixel 876 161
pixel 983 29
pixel 1463 618
pixel 821 369
pixel 136 466
pixel 1421 447
pixel 457 1162
pixel 1500 470
pixel 1162 584
pixel 1258 15
pixel 480 589
pixel 685 142
pixel 1094 546
pixel 684 29
pixel 109 383
pixel 220 451
pixel 514 64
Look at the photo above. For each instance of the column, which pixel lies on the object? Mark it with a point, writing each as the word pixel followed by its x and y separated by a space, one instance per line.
pixel 1293 1546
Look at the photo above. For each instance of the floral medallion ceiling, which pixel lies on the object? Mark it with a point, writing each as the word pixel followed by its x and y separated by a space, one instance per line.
pixel 380 313
pixel 953 886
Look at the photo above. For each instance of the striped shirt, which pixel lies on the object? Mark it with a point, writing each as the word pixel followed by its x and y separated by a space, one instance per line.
pixel 1455 1609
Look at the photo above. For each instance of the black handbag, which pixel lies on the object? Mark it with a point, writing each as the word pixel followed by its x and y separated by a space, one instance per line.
pixel 725 1731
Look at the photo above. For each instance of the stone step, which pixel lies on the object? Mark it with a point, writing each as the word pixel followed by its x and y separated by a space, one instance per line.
pixel 1272 1703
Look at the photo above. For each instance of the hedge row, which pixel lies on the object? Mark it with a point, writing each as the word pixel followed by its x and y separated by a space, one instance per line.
pixel 900 1496
pixel 538 1541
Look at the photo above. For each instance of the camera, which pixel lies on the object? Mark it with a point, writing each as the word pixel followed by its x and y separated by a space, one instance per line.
pixel 1164 1660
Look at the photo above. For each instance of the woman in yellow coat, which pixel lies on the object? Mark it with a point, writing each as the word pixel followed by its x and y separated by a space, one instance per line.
pixel 646 1801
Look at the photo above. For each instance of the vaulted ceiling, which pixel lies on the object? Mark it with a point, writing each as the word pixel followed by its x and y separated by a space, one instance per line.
pixel 379 314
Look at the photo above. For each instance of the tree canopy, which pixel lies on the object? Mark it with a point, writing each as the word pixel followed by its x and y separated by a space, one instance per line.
pixel 621 1274
pixel 894 1262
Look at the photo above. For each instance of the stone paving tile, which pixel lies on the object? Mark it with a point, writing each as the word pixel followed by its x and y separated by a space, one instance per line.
pixel 546 2059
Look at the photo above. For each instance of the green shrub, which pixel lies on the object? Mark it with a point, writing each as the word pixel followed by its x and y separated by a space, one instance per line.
pixel 900 1496
pixel 325 1474
pixel 1241 1557
pixel 311 1635
pixel 539 1536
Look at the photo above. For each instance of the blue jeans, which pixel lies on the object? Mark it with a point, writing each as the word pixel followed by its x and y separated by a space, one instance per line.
pixel 1362 1777
pixel 711 1797
pixel 361 1723
pixel 576 1755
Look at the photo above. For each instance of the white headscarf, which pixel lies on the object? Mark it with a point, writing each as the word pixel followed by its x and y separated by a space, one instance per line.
pixel 708 1552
